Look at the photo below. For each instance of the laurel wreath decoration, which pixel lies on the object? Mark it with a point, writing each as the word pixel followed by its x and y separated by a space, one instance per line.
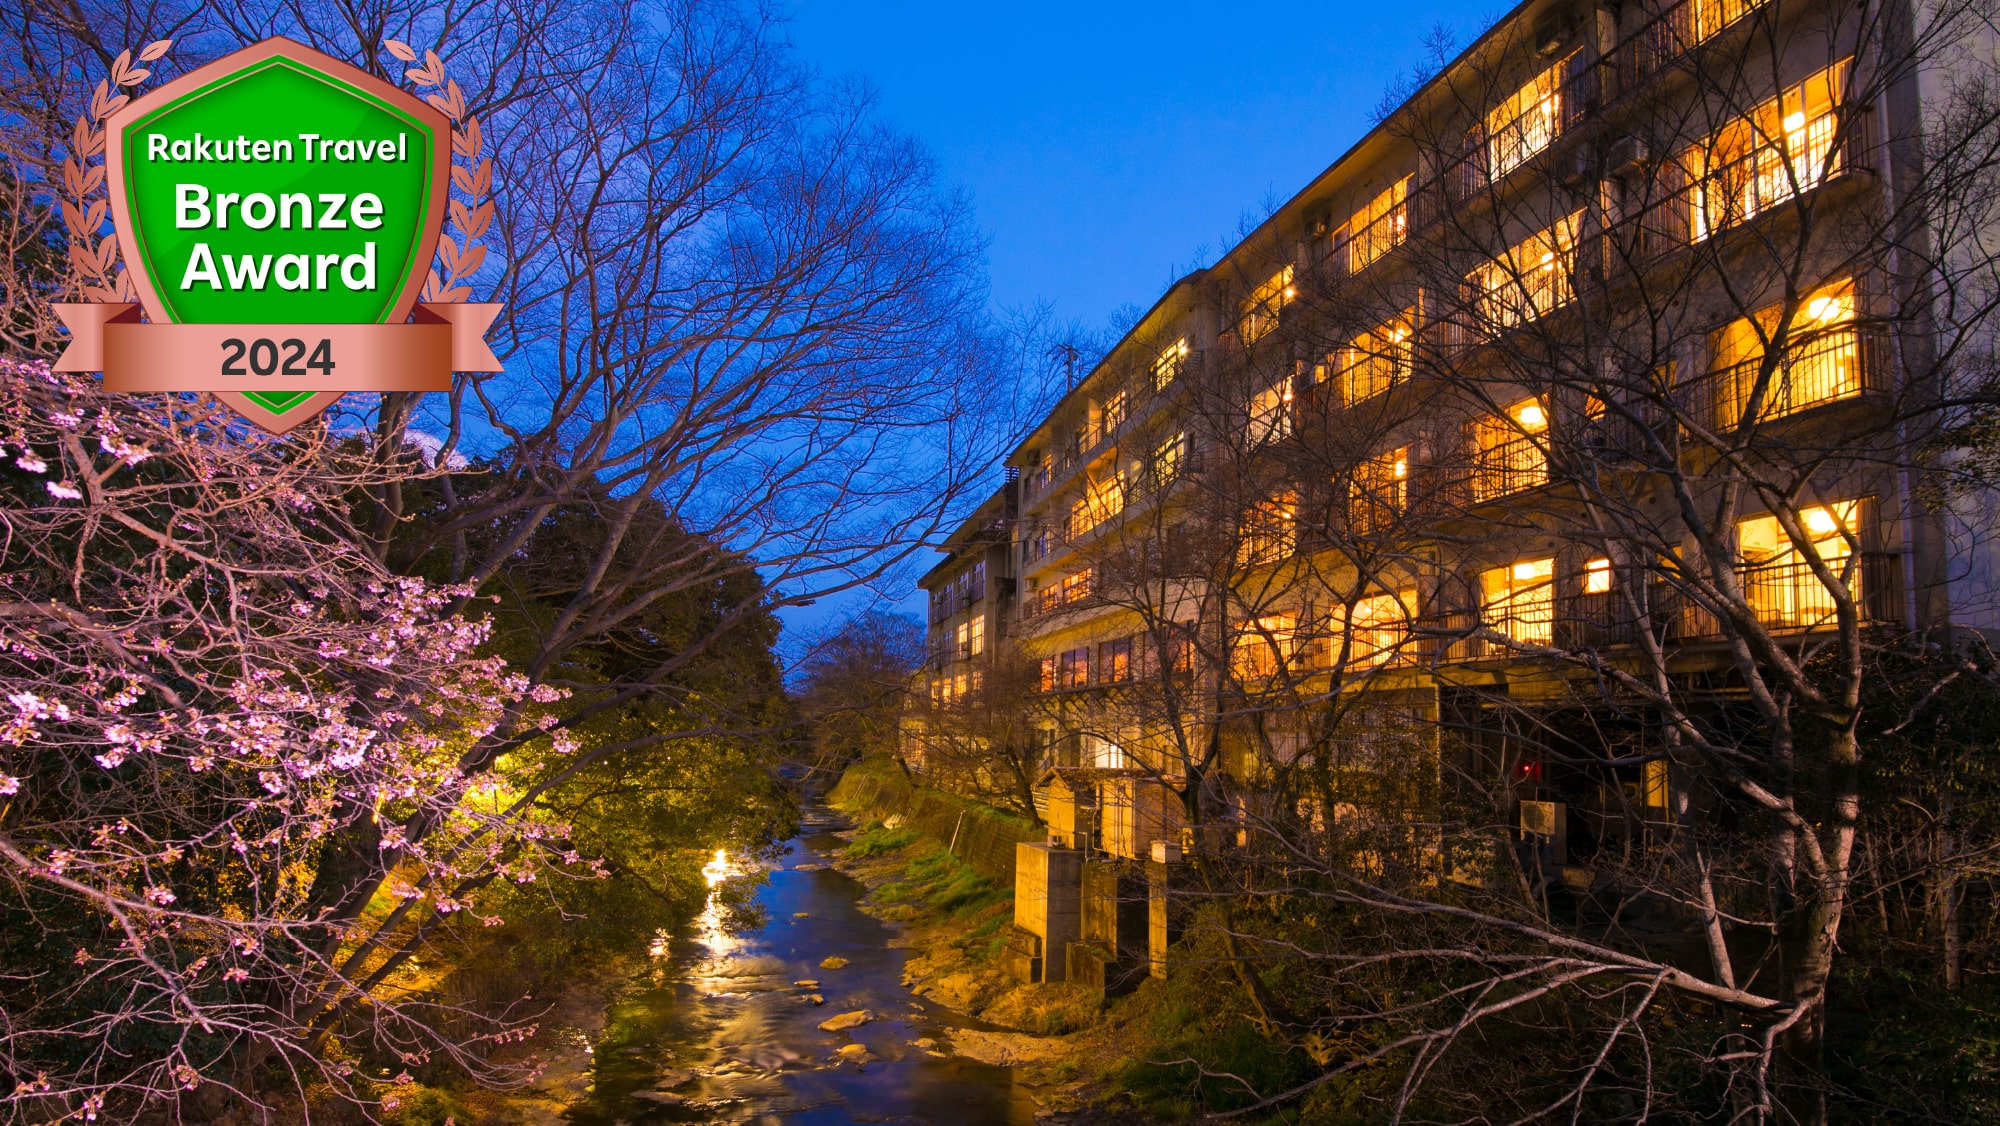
pixel 471 176
pixel 95 271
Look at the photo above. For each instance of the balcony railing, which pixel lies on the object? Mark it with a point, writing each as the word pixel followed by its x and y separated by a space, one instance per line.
pixel 1578 94
pixel 1835 367
pixel 1529 621
pixel 1592 621
pixel 1788 596
pixel 1507 467
pixel 1354 250
pixel 1668 36
pixel 1831 148
pixel 1049 599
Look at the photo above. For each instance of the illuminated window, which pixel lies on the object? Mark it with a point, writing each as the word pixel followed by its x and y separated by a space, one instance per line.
pixel 1509 451
pixel 1181 650
pixel 1114 661
pixel 1778 582
pixel 1597 576
pixel 1270 413
pixel 1112 414
pixel 1169 363
pixel 1259 312
pixel 1073 668
pixel 1265 645
pixel 1377 360
pixel 964 639
pixel 1654 787
pixel 976 642
pixel 1379 626
pixel 1379 226
pixel 1103 754
pixel 1378 492
pixel 1711 16
pixel 1048 681
pixel 1103 498
pixel 1076 587
pixel 1534 278
pixel 1781 150
pixel 1526 123
pixel 1822 361
pixel 1519 600
pixel 1169 457
pixel 1270 530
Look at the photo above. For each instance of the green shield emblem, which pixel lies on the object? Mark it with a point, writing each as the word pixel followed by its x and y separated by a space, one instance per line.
pixel 278 186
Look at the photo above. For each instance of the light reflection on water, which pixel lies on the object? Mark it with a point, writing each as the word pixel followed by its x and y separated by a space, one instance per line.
pixel 718 1030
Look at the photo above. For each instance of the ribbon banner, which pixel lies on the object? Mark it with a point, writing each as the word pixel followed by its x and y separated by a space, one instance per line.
pixel 277 368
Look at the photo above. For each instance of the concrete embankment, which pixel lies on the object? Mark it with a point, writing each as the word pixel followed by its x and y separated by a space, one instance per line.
pixel 980 835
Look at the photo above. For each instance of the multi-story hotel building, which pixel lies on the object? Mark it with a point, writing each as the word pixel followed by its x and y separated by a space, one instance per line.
pixel 1603 370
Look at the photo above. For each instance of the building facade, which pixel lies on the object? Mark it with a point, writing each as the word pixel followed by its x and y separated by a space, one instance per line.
pixel 1500 464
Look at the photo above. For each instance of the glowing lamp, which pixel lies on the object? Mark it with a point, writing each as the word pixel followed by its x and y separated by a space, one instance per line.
pixel 1820 522
pixel 1794 121
pixel 1532 416
pixel 1524 572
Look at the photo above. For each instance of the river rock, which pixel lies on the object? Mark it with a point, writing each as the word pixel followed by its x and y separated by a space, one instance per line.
pixel 1006 1049
pixel 807 983
pixel 674 1077
pixel 925 1042
pixel 959 991
pixel 846 1020
pixel 816 998
pixel 659 1098
pixel 833 963
pixel 854 1053
pixel 801 915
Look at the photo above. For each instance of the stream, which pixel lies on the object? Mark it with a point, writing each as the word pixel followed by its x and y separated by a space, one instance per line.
pixel 721 1032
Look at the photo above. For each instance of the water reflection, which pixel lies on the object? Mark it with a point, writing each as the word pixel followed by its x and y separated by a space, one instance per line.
pixel 725 1030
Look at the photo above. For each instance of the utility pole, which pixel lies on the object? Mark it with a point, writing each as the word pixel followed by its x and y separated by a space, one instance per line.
pixel 1068 351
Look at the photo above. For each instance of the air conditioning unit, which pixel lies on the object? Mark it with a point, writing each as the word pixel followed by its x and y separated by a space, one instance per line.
pixel 1628 154
pixel 1551 32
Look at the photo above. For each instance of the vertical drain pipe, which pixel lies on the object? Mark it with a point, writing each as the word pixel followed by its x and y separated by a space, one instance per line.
pixel 953 846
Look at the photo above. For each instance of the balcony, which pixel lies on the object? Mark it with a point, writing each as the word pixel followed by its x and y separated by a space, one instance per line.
pixel 1577 95
pixel 1354 249
pixel 1049 599
pixel 1787 596
pixel 1694 208
pixel 1592 621
pixel 1670 35
pixel 1507 467
pixel 1834 368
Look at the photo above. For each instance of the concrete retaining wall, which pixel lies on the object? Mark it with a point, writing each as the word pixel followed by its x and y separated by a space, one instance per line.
pixel 978 834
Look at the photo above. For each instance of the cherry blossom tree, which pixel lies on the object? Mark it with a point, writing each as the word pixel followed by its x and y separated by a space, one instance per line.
pixel 206 681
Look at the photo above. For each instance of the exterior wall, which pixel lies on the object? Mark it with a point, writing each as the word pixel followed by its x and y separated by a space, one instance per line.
pixel 1919 568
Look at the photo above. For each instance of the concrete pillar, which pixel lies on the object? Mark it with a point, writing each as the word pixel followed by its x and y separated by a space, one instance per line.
pixel 1047 908
pixel 1163 924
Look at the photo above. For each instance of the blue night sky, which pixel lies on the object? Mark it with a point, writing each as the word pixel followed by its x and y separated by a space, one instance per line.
pixel 1108 146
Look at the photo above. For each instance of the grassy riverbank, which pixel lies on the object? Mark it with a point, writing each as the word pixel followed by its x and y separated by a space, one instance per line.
pixel 1086 1060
